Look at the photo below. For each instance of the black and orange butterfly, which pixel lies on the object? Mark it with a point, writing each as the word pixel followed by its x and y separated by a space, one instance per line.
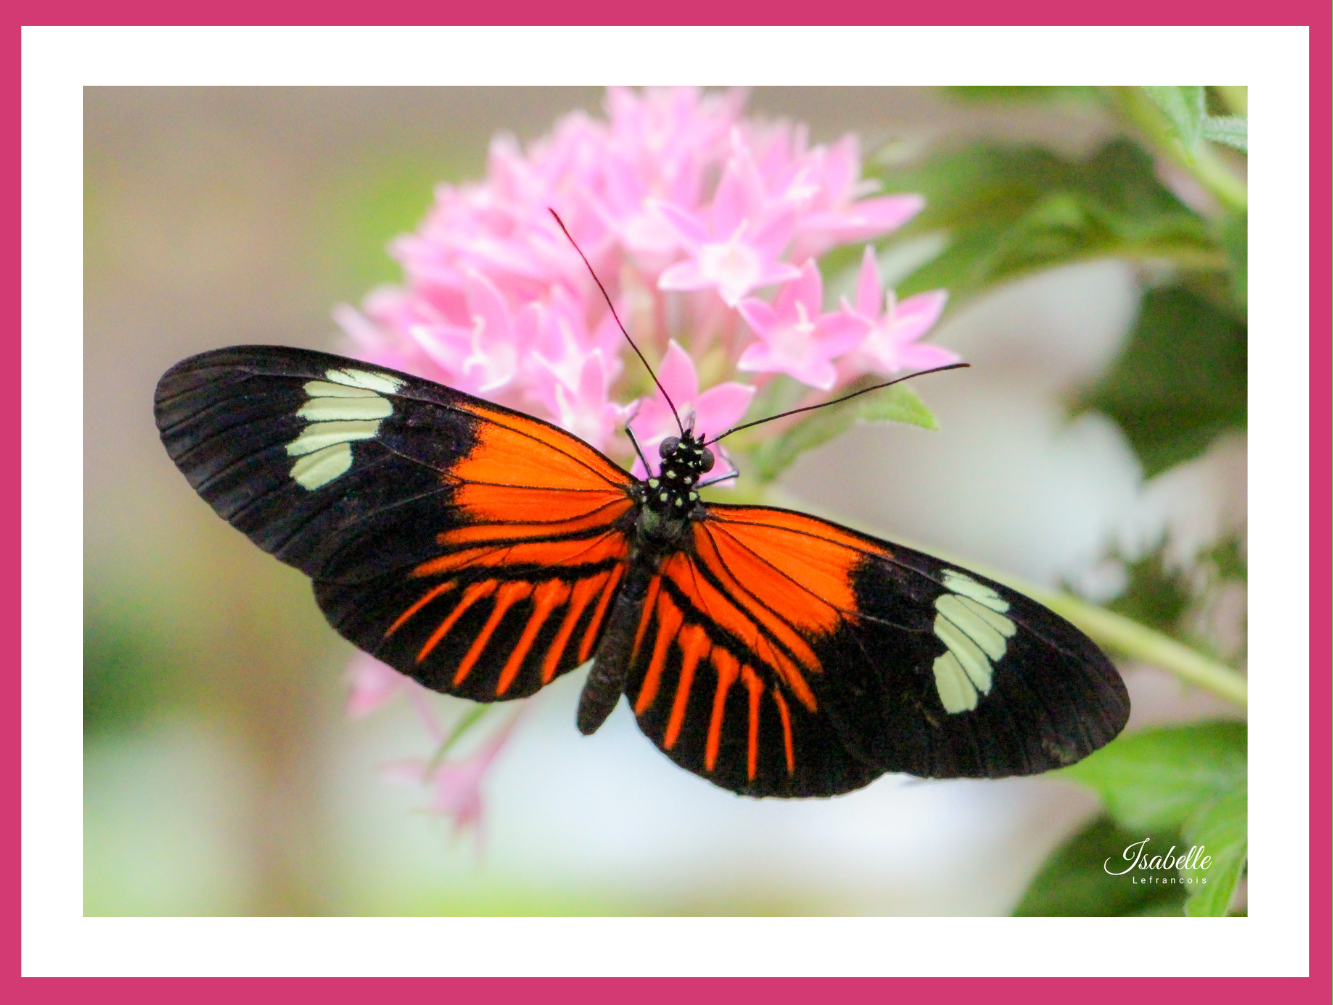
pixel 485 553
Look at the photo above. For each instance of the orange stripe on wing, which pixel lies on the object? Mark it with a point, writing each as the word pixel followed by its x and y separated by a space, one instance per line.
pixel 505 597
pixel 470 596
pixel 727 670
pixel 546 598
pixel 786 731
pixel 668 623
pixel 649 601
pixel 595 624
pixel 575 551
pixel 584 590
pixel 429 595
pixel 756 688
pixel 694 642
pixel 738 613
pixel 745 623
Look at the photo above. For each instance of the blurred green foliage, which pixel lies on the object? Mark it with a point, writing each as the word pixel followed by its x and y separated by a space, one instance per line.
pixel 129 666
pixel 363 209
pixel 1180 381
pixel 1174 597
pixel 1161 194
pixel 1010 211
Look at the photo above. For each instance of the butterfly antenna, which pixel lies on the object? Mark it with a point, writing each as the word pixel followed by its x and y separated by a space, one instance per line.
pixel 607 296
pixel 836 401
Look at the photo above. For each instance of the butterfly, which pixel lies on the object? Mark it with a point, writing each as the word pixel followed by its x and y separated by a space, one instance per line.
pixel 484 553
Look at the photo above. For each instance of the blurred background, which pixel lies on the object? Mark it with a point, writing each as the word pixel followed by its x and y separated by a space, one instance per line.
pixel 222 775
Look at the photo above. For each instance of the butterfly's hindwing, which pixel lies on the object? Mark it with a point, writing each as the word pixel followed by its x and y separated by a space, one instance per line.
pixel 720 684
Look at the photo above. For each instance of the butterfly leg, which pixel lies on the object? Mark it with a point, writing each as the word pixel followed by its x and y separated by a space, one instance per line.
pixel 610 668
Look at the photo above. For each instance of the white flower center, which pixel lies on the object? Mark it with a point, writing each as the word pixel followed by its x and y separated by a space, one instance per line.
pixel 732 265
pixel 793 343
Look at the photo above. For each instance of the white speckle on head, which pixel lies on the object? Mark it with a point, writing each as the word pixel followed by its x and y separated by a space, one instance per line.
pixel 321 467
pixel 380 382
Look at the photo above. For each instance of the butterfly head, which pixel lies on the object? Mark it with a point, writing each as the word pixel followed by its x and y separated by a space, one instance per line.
pixel 674 492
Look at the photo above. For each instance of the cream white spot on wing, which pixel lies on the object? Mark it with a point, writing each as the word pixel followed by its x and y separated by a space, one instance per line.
pixel 323 389
pixel 969 657
pixel 991 616
pixel 327 409
pixel 319 435
pixel 970 622
pixel 956 692
pixel 958 582
pixel 347 406
pixel 321 467
pixel 380 382
pixel 977 630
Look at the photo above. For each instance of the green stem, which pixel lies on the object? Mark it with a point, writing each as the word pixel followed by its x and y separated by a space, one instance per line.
pixel 1129 638
pixel 1210 170
pixel 1113 631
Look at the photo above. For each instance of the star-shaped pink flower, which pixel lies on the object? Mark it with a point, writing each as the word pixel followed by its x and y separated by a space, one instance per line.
pixel 735 250
pixel 795 338
pixel 895 328
pixel 836 212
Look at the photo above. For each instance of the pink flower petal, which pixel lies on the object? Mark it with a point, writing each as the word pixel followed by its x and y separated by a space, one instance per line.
pixel 869 294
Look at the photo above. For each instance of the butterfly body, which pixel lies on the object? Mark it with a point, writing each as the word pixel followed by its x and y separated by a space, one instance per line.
pixel 485 553
pixel 666 507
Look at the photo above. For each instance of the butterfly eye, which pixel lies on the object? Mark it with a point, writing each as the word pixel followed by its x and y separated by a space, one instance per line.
pixel 706 460
pixel 669 445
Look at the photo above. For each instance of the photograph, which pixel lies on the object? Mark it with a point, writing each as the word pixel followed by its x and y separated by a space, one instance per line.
pixel 676 501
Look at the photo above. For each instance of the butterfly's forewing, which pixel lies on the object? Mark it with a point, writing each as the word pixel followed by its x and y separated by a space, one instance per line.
pixel 474 548
pixel 789 656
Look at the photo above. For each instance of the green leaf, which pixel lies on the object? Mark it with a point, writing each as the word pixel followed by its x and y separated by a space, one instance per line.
pixel 893 404
pixel 1228 129
pixel 1184 108
pixel 1074 881
pixel 1180 381
pixel 1010 211
pixel 1157 779
pixel 1221 829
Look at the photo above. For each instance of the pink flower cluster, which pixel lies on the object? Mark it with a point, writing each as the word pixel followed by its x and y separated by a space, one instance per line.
pixel 703 224
pixel 705 227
